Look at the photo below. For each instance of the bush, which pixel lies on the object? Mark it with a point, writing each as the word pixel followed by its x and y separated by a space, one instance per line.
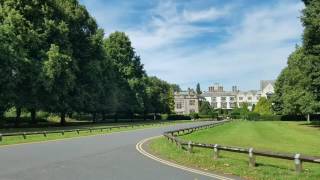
pixel 253 116
pixel 235 115
pixel 178 117
pixel 270 118
pixel 195 116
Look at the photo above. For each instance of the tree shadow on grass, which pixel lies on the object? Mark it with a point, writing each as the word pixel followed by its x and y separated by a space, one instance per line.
pixel 314 124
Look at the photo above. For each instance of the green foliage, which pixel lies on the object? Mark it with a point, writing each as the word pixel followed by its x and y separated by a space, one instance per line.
pixel 263 107
pixel 54 58
pixel 205 108
pixel 198 89
pixel 298 86
pixel 178 117
pixel 195 116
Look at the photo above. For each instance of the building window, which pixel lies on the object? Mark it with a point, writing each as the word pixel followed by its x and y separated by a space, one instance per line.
pixel 223 98
pixel 192 102
pixel 192 111
pixel 231 98
pixel 250 98
pixel 240 98
pixel 224 105
pixel 232 105
pixel 214 98
pixel 214 105
pixel 258 97
pixel 179 105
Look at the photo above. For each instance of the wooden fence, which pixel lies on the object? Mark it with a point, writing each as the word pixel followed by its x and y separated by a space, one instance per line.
pixel 298 159
pixel 62 132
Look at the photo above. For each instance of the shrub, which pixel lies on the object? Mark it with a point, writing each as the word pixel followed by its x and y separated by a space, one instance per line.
pixel 269 118
pixel 195 116
pixel 178 117
pixel 253 116
pixel 235 115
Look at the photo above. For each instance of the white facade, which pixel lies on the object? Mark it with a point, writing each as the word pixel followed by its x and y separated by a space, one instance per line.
pixel 220 99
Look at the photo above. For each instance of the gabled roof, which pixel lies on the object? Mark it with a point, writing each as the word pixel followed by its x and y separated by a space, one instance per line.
pixel 265 83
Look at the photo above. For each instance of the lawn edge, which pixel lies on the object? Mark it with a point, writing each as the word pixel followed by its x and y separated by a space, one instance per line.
pixel 142 147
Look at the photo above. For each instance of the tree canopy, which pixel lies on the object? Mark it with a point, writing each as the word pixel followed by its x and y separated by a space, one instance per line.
pixel 263 106
pixel 297 89
pixel 54 57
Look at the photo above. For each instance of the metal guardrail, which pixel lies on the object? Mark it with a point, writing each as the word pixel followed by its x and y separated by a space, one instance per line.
pixel 252 153
pixel 62 132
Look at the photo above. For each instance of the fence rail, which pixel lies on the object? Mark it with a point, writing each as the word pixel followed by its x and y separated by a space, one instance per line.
pixel 62 132
pixel 252 153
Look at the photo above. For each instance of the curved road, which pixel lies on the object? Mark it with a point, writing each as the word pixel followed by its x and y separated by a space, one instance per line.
pixel 111 156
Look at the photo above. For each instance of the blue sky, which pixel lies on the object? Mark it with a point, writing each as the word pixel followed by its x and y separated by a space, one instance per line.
pixel 232 42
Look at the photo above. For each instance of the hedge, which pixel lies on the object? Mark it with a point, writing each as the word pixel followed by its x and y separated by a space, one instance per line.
pixel 178 117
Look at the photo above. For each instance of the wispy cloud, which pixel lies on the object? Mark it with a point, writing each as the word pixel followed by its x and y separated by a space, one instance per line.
pixel 168 25
pixel 205 15
pixel 216 42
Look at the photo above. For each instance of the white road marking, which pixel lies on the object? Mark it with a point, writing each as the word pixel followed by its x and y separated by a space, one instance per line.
pixel 142 151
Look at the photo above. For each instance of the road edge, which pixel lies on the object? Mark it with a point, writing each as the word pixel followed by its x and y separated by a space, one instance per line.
pixel 139 147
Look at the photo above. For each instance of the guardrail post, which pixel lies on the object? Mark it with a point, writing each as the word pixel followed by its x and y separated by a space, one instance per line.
pixel 215 152
pixel 298 163
pixel 190 147
pixel 252 158
pixel 0 137
pixel 24 135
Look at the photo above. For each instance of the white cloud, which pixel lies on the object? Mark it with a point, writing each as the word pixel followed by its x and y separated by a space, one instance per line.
pixel 168 26
pixel 257 48
pixel 205 15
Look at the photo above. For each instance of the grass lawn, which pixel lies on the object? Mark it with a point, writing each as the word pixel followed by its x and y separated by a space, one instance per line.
pixel 36 138
pixel 293 137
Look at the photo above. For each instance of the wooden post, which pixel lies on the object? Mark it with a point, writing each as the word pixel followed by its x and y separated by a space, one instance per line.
pixel 252 158
pixel 216 152
pixel 24 135
pixel 44 133
pixel 190 148
pixel 62 132
pixel 0 137
pixel 298 163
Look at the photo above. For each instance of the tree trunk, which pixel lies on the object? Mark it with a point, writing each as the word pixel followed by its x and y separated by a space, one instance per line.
pixel 308 118
pixel 144 116
pixel 103 116
pixel 63 119
pixel 116 117
pixel 18 116
pixel 94 117
pixel 132 117
pixel 33 116
pixel 154 116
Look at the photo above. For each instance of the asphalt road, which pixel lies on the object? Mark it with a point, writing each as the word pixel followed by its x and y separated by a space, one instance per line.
pixel 111 156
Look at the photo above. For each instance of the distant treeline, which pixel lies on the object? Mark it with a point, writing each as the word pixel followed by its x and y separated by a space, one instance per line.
pixel 55 58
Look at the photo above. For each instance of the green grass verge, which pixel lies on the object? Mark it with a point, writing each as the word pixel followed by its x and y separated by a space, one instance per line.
pixel 8 140
pixel 293 137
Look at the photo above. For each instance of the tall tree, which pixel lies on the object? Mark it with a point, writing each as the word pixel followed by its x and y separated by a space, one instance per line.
pixel 130 72
pixel 297 89
pixel 198 89
pixel 263 106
